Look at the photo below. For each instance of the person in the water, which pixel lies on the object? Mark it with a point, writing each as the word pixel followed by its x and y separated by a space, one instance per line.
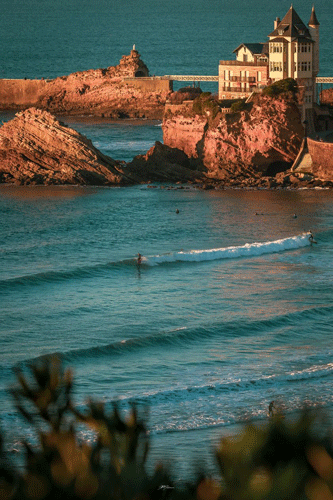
pixel 139 258
pixel 311 238
pixel 271 409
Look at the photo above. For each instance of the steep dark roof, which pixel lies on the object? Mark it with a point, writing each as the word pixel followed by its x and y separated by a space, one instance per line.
pixel 254 48
pixel 313 19
pixel 292 25
pixel 265 49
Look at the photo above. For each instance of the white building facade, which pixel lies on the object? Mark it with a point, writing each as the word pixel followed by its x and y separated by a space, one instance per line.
pixel 294 53
pixel 291 52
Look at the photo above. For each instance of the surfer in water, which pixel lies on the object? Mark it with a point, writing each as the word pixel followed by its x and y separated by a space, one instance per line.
pixel 311 238
pixel 139 260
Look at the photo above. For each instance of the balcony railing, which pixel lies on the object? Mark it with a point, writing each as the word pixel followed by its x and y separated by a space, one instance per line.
pixel 236 89
pixel 246 79
pixel 243 63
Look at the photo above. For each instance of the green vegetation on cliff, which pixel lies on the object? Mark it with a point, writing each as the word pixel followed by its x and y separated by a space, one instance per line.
pixel 206 105
pixel 281 87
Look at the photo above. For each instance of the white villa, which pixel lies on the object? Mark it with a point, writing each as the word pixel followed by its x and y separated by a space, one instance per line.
pixel 291 52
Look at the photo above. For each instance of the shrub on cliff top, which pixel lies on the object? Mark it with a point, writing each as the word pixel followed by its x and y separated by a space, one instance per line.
pixel 206 105
pixel 237 106
pixel 280 460
pixel 288 85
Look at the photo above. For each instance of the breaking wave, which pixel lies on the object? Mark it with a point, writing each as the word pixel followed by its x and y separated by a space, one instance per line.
pixel 232 252
pixel 247 250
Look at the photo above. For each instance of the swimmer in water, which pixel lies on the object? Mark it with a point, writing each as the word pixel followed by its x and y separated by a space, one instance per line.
pixel 271 409
pixel 139 258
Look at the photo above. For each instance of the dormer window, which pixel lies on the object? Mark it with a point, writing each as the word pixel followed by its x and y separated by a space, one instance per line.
pixel 280 32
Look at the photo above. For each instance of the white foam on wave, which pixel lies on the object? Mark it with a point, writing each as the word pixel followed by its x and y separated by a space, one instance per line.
pixel 247 250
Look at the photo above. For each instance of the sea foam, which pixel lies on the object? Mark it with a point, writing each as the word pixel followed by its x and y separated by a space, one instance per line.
pixel 232 252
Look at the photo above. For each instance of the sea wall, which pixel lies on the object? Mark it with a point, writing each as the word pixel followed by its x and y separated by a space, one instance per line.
pixel 322 158
pixel 20 93
pixel 151 84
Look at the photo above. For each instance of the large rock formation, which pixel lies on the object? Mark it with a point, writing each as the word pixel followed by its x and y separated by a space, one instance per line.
pixel 116 92
pixel 164 164
pixel 35 148
pixel 261 138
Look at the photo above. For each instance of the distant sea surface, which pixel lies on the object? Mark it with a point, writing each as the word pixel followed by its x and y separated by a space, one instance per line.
pixel 228 310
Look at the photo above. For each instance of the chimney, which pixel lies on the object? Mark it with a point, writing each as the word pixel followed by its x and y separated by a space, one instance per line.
pixel 277 22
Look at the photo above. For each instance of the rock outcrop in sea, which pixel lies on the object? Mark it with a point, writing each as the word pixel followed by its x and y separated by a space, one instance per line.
pixel 115 92
pixel 36 148
pixel 256 139
pixel 253 146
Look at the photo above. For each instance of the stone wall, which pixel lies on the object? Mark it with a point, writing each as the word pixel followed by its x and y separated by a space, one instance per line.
pixel 322 158
pixel 184 107
pixel 17 93
pixel 151 84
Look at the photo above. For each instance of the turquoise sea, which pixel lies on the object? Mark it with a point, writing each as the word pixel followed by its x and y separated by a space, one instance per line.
pixel 228 311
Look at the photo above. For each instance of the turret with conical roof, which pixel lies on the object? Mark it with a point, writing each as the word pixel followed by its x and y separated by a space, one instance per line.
pixel 313 19
pixel 294 53
pixel 314 32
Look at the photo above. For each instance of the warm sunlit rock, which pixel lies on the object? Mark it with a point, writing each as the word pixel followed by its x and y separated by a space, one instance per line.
pixel 267 133
pixel 113 92
pixel 35 148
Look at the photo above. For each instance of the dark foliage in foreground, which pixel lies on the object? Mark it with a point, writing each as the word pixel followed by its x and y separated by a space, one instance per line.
pixel 278 461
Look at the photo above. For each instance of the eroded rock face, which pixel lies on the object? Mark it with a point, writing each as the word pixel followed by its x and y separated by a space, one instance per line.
pixel 163 164
pixel 35 148
pixel 326 96
pixel 98 92
pixel 268 134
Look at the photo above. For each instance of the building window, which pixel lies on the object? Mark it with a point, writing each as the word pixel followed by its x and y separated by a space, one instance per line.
pixel 259 76
pixel 245 57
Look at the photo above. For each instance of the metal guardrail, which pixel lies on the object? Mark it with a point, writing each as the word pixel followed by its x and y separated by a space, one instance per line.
pixel 193 78
pixel 324 79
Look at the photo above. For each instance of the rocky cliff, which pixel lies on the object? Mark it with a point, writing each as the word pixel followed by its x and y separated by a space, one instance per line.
pixel 115 92
pixel 262 137
pixel 36 148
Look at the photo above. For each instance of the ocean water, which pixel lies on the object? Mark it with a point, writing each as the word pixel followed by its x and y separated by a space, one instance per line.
pixel 228 310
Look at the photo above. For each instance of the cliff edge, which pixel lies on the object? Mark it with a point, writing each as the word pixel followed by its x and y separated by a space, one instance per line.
pixel 258 138
pixel 36 148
